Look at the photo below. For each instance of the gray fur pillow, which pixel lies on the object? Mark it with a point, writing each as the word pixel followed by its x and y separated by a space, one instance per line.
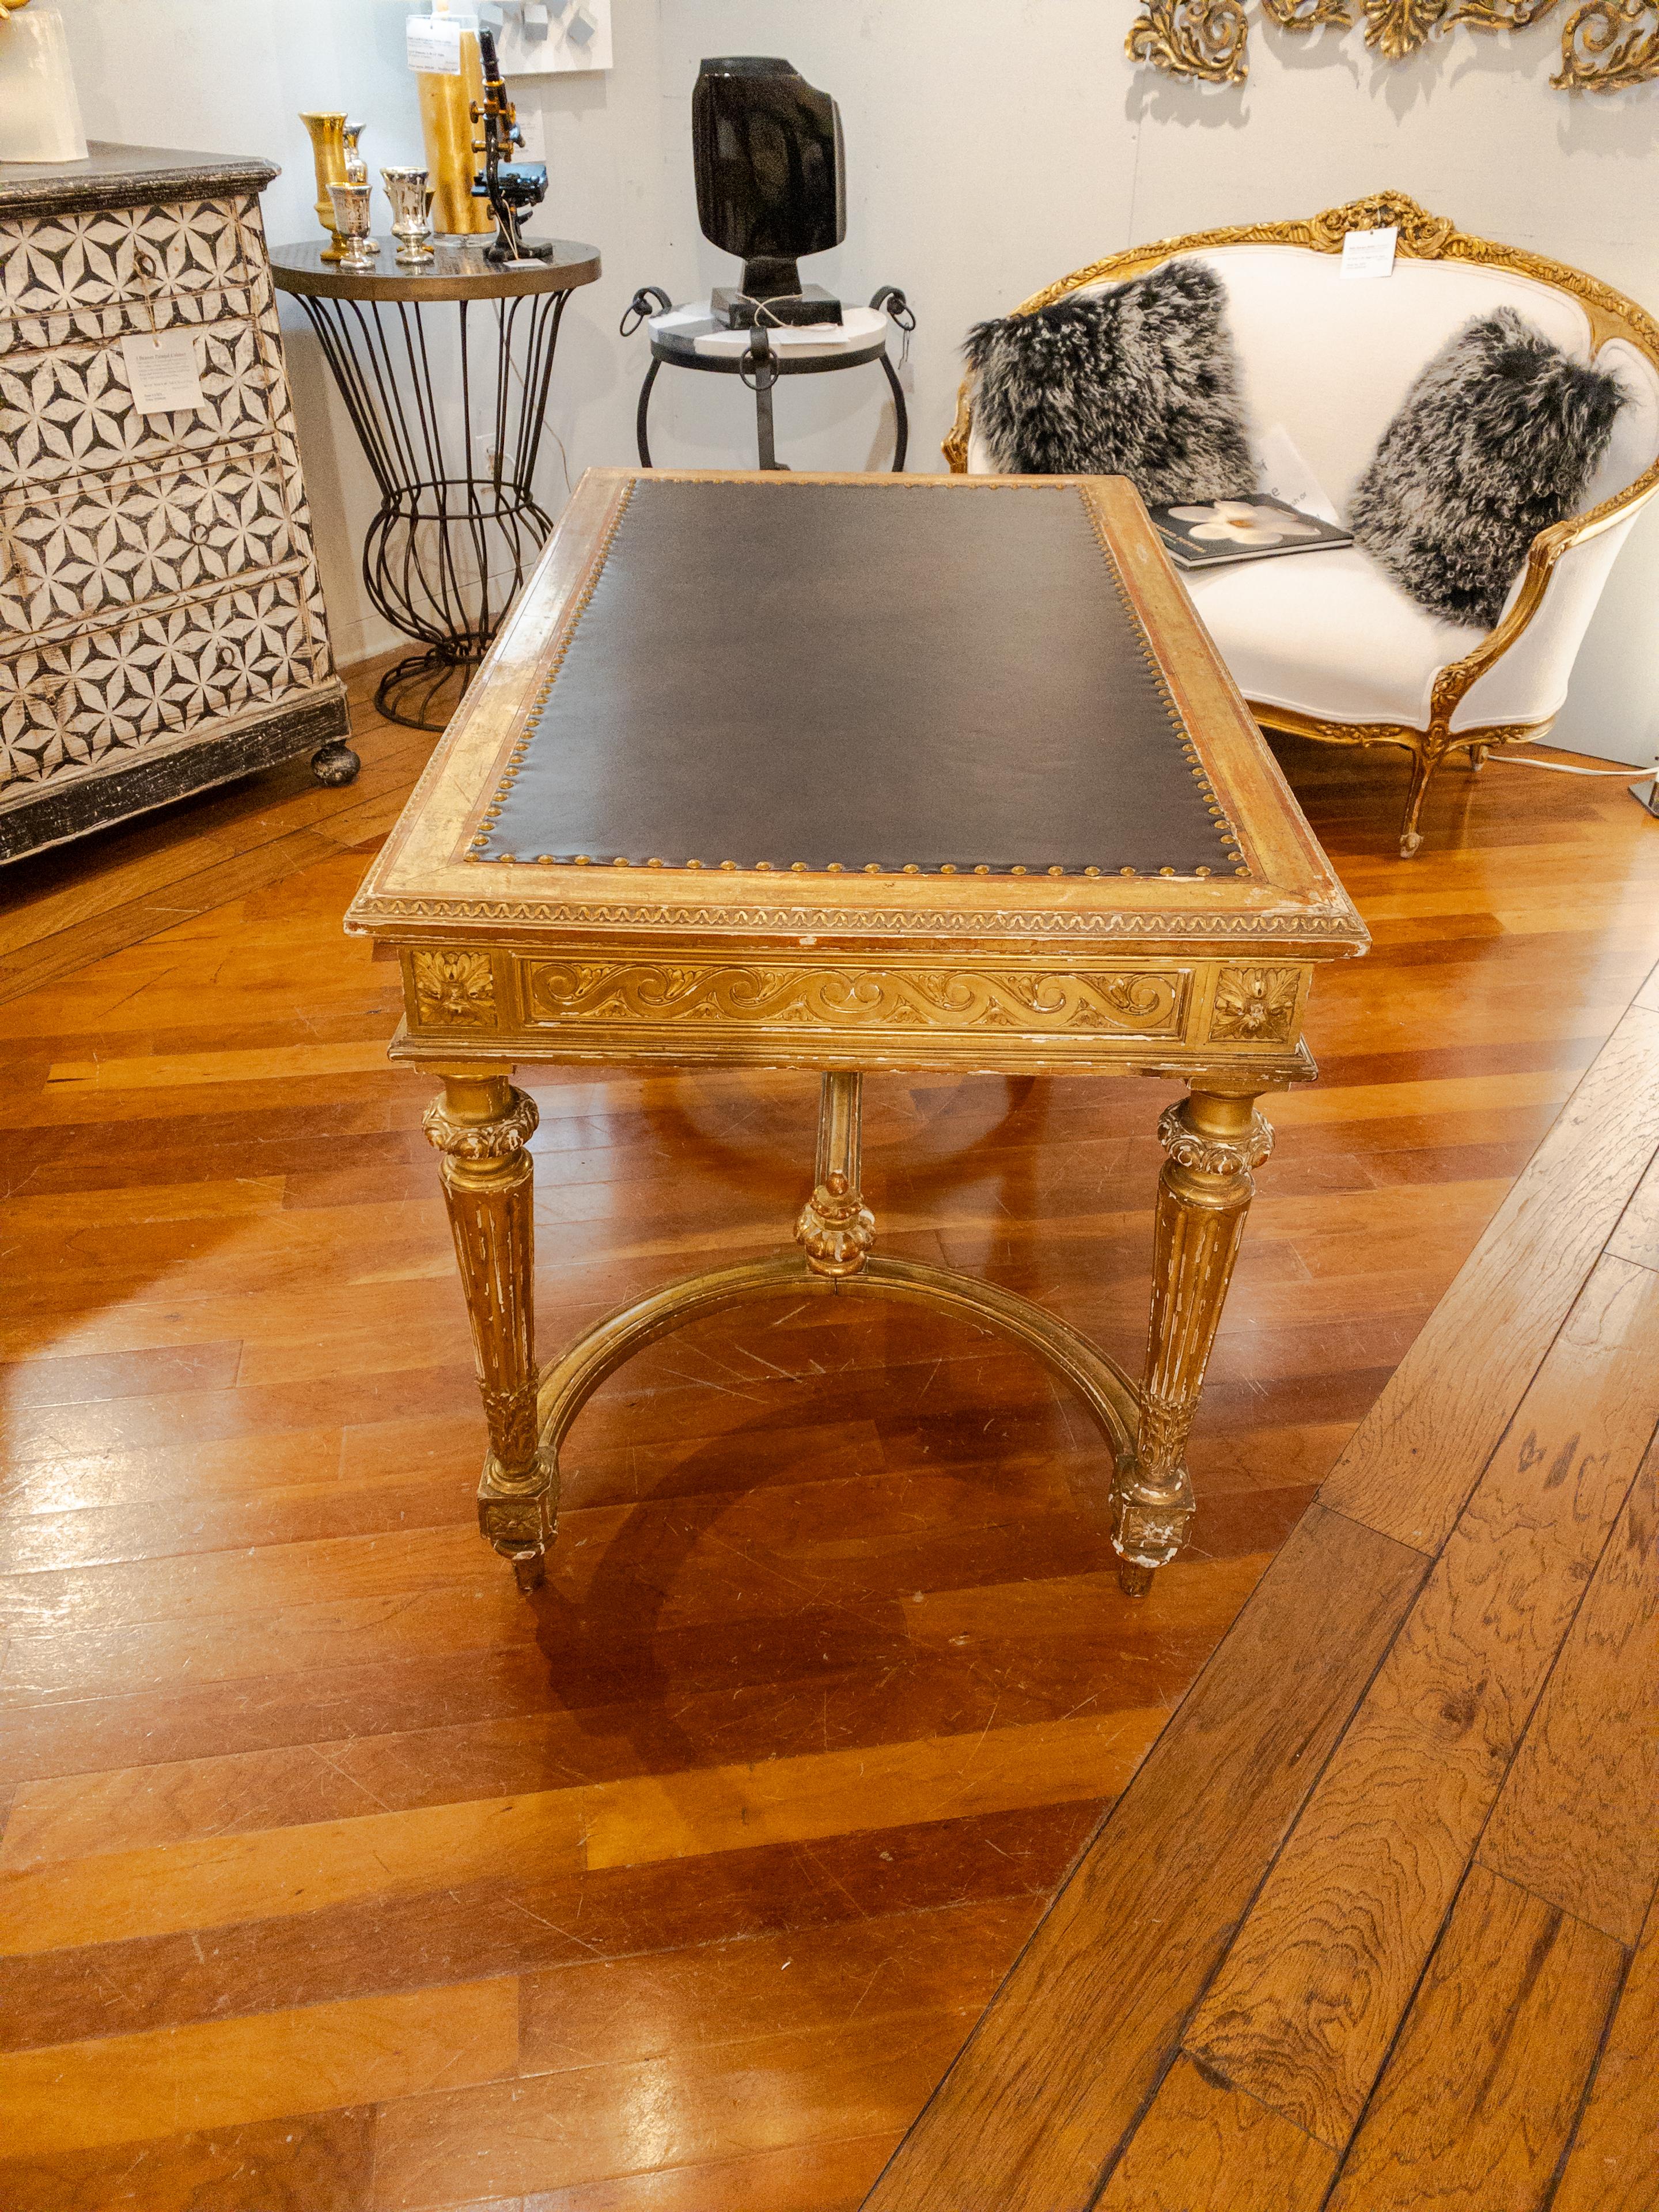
pixel 1497 439
pixel 1141 381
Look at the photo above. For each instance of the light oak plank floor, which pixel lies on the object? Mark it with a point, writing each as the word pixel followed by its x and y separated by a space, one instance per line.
pixel 1372 1927
pixel 335 1877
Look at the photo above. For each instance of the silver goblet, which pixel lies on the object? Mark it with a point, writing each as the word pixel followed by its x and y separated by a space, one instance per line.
pixel 351 224
pixel 410 194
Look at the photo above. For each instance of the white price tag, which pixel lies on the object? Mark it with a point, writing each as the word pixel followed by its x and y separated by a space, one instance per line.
pixel 162 370
pixel 1369 252
pixel 434 46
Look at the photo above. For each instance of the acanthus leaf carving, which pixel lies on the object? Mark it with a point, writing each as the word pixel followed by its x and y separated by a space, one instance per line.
pixel 1256 1003
pixel 1305 14
pixel 1204 39
pixel 457 989
pixel 1609 45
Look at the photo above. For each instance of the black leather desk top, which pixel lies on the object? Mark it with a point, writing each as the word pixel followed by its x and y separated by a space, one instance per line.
pixel 791 672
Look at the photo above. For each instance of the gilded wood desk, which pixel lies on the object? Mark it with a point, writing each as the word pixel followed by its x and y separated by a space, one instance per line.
pixel 846 773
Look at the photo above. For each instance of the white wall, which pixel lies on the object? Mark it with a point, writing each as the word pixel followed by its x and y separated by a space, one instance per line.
pixel 992 145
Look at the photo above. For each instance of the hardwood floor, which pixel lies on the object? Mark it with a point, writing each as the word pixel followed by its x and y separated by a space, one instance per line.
pixel 1387 1941
pixel 338 1878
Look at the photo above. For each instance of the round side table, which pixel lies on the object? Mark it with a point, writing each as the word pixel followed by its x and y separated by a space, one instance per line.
pixel 760 363
pixel 453 440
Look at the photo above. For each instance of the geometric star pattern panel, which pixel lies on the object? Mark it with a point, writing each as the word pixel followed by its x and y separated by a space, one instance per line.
pixel 104 693
pixel 157 572
pixel 146 534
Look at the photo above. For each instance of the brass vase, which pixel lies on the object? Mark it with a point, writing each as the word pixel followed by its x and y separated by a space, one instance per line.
pixel 447 104
pixel 328 156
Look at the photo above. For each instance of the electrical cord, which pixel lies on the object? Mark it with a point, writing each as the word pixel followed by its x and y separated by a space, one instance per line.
pixel 1564 768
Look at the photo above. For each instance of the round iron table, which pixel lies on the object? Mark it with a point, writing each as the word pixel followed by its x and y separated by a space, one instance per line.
pixel 762 366
pixel 451 542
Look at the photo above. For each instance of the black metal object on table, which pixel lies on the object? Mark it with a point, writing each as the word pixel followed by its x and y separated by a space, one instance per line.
pixel 450 545
pixel 760 366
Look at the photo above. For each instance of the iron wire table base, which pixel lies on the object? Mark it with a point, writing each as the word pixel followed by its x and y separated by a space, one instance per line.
pixel 453 440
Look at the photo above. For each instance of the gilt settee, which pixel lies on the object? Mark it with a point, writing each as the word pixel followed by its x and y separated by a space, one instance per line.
pixel 1326 646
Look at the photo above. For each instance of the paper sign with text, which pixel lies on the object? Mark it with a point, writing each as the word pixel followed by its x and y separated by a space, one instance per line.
pixel 434 46
pixel 162 372
pixel 1369 252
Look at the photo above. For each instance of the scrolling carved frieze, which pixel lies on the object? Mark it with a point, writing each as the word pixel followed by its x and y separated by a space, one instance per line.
pixel 613 994
pixel 1606 46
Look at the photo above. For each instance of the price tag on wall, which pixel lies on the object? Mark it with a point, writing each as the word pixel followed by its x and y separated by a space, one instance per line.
pixel 1369 252
pixel 434 46
pixel 162 372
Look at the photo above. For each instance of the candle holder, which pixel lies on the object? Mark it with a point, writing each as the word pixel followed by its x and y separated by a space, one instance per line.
pixel 357 168
pixel 327 131
pixel 351 222
pixel 410 194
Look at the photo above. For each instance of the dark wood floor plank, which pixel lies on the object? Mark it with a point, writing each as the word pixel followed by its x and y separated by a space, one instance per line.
pixel 1029 2118
pixel 1478 2099
pixel 1305 2007
pixel 517 1923
pixel 296 2164
pixel 1419 1451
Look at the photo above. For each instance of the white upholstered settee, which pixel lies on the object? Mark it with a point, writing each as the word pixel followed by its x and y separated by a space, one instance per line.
pixel 1325 645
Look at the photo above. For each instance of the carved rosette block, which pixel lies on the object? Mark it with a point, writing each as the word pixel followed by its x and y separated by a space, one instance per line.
pixel 1203 1195
pixel 481 1126
pixel 1257 1004
pixel 454 990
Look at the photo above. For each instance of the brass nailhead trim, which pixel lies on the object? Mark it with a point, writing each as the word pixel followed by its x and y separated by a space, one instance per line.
pixel 1150 659
pixel 544 691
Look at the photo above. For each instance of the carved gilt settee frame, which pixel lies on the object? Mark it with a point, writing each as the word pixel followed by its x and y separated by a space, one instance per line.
pixel 1424 237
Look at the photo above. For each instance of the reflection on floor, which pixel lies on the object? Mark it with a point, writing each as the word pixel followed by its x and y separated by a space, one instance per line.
pixel 336 1875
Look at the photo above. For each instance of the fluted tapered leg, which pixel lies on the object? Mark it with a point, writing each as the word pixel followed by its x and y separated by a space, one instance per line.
pixel 1203 1195
pixel 835 1229
pixel 482 1127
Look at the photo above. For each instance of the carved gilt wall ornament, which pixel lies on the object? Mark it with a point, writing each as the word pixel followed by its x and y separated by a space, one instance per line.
pixel 1193 38
pixel 1609 44
pixel 570 993
pixel 1606 46
pixel 456 988
pixel 1303 15
pixel 1257 1003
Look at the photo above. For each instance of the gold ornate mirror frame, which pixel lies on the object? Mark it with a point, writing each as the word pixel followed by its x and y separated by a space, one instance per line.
pixel 1423 237
pixel 1606 46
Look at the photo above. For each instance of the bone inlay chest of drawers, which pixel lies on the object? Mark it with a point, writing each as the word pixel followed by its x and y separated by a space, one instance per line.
pixel 162 624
